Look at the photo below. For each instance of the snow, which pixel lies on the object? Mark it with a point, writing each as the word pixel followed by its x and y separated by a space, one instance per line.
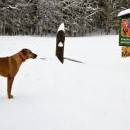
pixel 60 44
pixel 124 12
pixel 49 95
pixel 61 27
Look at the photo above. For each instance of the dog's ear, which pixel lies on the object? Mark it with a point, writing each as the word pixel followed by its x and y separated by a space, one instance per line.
pixel 24 51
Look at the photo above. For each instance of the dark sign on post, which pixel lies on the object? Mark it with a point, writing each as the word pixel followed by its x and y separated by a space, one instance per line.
pixel 60 39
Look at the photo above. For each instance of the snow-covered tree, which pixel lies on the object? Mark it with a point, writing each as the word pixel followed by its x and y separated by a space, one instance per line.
pixel 41 17
pixel 125 4
pixel 108 13
pixel 78 15
pixel 49 16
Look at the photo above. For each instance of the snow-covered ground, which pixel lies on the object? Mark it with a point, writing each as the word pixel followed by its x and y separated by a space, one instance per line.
pixel 73 96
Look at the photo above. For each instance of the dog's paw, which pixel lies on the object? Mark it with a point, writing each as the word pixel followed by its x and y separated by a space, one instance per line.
pixel 10 96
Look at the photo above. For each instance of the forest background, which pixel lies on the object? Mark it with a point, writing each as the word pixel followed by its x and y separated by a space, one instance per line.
pixel 42 17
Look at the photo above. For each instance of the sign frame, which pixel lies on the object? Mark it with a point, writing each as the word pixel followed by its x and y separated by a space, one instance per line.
pixel 124 32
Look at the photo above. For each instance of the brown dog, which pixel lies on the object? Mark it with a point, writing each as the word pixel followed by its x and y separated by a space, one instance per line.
pixel 9 66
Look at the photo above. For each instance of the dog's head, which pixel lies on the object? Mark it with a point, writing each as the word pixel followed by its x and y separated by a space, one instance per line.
pixel 28 54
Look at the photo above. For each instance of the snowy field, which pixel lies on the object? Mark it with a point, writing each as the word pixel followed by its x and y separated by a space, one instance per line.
pixel 73 96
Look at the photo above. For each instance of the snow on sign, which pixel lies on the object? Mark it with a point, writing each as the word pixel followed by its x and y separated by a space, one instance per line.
pixel 60 39
pixel 124 32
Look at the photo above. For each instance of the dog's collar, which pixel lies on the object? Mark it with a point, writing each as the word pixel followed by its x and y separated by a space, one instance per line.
pixel 22 57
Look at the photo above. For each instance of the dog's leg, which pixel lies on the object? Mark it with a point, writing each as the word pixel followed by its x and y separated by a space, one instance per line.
pixel 9 87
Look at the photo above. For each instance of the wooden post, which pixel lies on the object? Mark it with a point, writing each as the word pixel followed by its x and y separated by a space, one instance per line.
pixel 60 39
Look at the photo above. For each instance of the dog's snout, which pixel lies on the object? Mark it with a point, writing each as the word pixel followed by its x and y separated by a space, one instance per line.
pixel 34 55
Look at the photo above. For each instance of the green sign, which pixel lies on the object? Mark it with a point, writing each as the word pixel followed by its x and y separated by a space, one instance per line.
pixel 124 33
